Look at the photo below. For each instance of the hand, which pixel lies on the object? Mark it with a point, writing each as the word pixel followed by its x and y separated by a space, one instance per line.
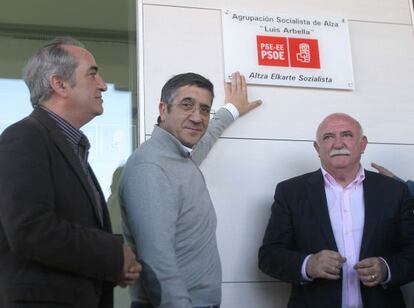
pixel 382 170
pixel 371 271
pixel 325 264
pixel 131 269
pixel 236 93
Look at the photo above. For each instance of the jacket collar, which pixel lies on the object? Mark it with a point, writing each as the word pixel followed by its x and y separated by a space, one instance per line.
pixel 67 152
pixel 317 198
pixel 166 139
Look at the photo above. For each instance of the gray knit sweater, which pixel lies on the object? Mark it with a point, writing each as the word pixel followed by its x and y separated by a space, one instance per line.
pixel 169 220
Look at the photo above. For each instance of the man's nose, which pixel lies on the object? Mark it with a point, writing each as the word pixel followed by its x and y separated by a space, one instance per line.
pixel 101 83
pixel 338 143
pixel 196 115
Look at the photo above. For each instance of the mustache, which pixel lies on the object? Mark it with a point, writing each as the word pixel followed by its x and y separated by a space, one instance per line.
pixel 343 151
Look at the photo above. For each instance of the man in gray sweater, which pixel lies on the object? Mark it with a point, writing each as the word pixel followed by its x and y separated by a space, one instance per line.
pixel 168 216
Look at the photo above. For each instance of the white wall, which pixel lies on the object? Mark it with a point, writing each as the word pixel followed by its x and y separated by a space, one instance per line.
pixel 274 142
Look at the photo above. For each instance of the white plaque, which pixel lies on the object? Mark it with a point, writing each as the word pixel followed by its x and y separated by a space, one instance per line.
pixel 286 50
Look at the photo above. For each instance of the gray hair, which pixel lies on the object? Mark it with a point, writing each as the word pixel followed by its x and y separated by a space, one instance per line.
pixel 170 89
pixel 50 60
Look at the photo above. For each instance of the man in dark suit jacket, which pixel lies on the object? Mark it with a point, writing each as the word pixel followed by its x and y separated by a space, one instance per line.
pixel 56 245
pixel 343 236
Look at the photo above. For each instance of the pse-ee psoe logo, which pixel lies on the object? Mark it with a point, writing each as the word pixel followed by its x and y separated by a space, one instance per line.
pixel 288 51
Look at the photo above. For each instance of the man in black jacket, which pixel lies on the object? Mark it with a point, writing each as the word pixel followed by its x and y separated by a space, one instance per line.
pixel 343 236
pixel 56 245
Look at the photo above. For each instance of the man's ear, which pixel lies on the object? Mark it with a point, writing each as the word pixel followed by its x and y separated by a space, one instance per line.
pixel 316 146
pixel 58 85
pixel 162 107
pixel 364 142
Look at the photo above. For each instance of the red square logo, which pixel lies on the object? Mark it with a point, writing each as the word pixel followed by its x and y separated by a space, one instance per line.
pixel 272 51
pixel 304 53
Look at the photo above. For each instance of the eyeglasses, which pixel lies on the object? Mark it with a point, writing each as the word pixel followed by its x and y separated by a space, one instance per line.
pixel 190 106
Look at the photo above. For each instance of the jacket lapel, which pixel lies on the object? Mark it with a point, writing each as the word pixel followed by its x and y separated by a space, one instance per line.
pixel 371 213
pixel 67 152
pixel 317 199
pixel 106 219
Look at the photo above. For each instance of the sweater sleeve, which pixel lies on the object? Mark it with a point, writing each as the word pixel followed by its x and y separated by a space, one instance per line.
pixel 150 208
pixel 216 126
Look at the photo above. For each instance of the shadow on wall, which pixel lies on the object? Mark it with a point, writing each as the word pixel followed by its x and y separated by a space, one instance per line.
pixel 113 204
pixel 121 295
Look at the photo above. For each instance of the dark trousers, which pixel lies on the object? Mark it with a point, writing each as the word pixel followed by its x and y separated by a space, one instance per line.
pixel 140 305
pixel 145 305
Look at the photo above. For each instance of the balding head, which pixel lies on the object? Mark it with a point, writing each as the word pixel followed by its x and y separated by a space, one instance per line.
pixel 335 117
